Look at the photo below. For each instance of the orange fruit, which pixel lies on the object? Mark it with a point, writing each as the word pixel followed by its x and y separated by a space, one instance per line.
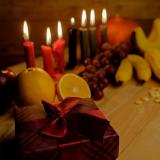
pixel 72 85
pixel 34 85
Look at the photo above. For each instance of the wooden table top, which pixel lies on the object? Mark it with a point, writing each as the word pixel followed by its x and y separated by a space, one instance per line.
pixel 138 125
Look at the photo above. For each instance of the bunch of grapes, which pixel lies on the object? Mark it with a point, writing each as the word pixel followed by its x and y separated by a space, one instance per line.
pixel 100 71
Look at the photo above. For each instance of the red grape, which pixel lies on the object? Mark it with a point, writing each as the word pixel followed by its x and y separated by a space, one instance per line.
pixel 94 79
pixel 87 61
pixel 96 63
pixel 101 85
pixel 90 68
pixel 98 94
pixel 108 54
pixel 105 82
pixel 104 61
pixel 100 73
pixel 106 46
pixel 93 86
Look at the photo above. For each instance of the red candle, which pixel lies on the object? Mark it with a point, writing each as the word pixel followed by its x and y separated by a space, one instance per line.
pixel 28 47
pixel 48 59
pixel 58 49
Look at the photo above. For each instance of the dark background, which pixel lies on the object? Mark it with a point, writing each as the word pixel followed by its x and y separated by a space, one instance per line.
pixel 43 13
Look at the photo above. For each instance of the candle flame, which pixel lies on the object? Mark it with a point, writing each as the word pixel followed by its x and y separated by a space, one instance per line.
pixel 84 18
pixel 48 36
pixel 72 21
pixel 60 35
pixel 25 31
pixel 92 17
pixel 104 16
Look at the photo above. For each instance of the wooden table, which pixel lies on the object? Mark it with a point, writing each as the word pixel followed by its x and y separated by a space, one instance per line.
pixel 137 125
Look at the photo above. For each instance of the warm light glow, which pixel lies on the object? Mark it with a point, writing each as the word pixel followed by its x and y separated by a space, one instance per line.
pixel 104 16
pixel 72 21
pixel 92 17
pixel 25 31
pixel 84 18
pixel 48 36
pixel 59 30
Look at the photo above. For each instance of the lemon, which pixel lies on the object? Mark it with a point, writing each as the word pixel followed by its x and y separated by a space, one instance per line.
pixel 72 85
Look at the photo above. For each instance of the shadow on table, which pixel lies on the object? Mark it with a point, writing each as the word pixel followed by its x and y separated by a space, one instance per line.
pixel 8 150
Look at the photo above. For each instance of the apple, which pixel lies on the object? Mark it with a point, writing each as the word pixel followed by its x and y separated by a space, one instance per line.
pixel 34 85
pixel 7 79
pixel 119 29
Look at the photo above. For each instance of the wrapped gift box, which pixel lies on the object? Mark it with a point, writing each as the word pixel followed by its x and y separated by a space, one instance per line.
pixel 89 135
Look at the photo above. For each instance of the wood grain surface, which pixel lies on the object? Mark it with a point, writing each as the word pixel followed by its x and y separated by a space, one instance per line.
pixel 137 125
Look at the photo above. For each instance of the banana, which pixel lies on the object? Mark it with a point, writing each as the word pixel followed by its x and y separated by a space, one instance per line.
pixel 124 72
pixel 141 66
pixel 151 48
pixel 152 41
pixel 153 58
pixel 144 42
pixel 155 31
pixel 141 39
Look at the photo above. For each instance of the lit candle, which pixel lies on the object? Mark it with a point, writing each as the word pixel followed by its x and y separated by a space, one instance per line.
pixel 92 35
pixel 72 45
pixel 103 26
pixel 48 59
pixel 58 49
pixel 84 38
pixel 28 47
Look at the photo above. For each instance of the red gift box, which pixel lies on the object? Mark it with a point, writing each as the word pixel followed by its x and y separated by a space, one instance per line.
pixel 91 139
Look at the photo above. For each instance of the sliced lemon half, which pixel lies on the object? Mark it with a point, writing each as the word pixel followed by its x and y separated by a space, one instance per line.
pixel 72 85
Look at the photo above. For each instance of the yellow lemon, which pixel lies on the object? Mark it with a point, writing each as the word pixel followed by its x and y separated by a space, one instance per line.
pixel 34 85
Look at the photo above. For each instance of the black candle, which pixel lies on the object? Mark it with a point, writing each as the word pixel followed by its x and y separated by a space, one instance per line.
pixel 72 44
pixel 103 26
pixel 84 38
pixel 92 35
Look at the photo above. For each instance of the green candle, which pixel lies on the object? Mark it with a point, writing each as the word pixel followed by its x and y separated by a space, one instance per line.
pixel 103 26
pixel 84 38
pixel 92 35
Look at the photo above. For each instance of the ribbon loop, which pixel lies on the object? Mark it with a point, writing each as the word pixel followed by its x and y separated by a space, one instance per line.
pixel 74 113
pixel 51 110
